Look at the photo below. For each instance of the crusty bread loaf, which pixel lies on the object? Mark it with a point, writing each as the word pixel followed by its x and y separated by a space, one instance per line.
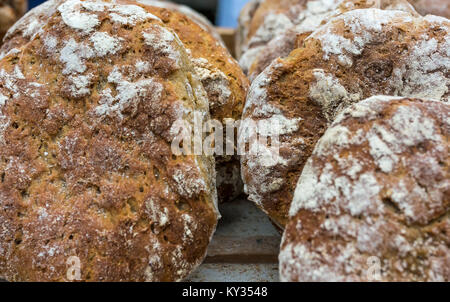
pixel 432 7
pixel 315 14
pixel 354 56
pixel 89 182
pixel 10 12
pixel 373 201
pixel 220 74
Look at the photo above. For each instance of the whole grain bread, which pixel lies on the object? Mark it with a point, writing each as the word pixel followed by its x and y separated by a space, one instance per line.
pixel 373 201
pixel 356 55
pixel 224 82
pixel 189 12
pixel 270 19
pixel 90 187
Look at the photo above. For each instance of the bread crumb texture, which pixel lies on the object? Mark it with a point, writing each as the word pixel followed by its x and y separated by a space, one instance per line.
pixel 87 102
pixel 377 186
pixel 356 55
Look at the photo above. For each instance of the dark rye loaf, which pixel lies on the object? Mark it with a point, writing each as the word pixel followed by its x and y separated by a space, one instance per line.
pixel 87 107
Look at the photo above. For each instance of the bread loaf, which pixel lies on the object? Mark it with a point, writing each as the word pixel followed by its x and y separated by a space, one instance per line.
pixel 315 14
pixel 354 56
pixel 10 12
pixel 90 187
pixel 220 74
pixel 28 26
pixel 271 18
pixel 373 201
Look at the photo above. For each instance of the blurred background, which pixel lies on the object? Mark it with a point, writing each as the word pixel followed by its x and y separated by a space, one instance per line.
pixel 223 13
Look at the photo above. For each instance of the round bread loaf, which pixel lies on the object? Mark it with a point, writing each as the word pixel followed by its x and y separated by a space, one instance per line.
pixel 432 7
pixel 354 56
pixel 220 74
pixel 90 187
pixel 10 12
pixel 315 14
pixel 373 201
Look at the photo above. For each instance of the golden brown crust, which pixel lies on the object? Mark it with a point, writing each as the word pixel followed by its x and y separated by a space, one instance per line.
pixel 373 201
pixel 10 12
pixel 204 46
pixel 27 26
pixel 271 18
pixel 289 8
pixel 86 167
pixel 357 55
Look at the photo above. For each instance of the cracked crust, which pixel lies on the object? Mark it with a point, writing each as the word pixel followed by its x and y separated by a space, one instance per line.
pixel 377 185
pixel 356 55
pixel 87 107
pixel 10 12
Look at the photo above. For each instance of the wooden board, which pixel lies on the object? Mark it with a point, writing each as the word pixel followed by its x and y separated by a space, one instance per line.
pixel 244 249
pixel 228 36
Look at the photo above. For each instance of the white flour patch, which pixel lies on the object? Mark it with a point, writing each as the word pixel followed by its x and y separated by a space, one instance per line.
pixel 104 44
pixel 74 18
pixel 73 55
pixel 164 41
pixel 128 94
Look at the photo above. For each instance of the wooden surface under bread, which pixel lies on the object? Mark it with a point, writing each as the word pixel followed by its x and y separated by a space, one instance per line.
pixel 244 248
